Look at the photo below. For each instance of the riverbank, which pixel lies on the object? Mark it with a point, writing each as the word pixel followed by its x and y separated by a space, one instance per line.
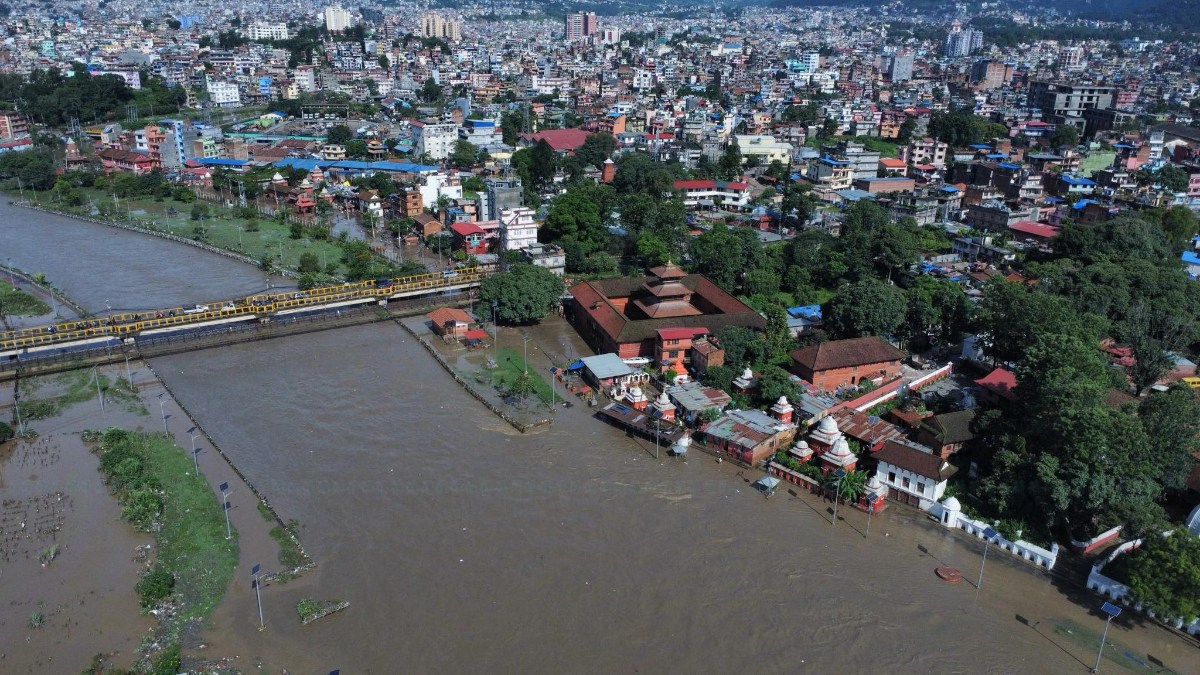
pixel 154 232
pixel 195 553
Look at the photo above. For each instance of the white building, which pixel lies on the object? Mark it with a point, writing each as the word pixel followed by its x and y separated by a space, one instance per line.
pixel 765 148
pixel 913 474
pixel 518 229
pixel 439 185
pixel 306 78
pixel 435 139
pixel 224 94
pixel 262 30
pixel 337 19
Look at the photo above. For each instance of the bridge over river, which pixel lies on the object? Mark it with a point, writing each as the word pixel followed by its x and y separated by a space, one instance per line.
pixel 259 313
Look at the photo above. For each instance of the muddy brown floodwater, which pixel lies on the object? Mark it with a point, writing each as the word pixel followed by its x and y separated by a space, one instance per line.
pixel 100 266
pixel 464 547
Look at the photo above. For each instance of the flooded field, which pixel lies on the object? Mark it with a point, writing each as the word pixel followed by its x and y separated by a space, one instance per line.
pixel 68 563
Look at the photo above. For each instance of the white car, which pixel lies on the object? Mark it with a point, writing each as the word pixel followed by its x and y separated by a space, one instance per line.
pixel 228 307
pixel 196 310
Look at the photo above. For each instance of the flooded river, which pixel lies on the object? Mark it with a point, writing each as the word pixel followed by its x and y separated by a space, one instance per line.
pixel 100 266
pixel 465 547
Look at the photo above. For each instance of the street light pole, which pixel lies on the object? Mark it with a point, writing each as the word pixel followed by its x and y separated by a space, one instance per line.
pixel 837 494
pixel 225 506
pixel 496 330
pixel 871 498
pixel 258 596
pixel 988 534
pixel 195 454
pixel 162 411
pixel 1113 612
pixel 525 337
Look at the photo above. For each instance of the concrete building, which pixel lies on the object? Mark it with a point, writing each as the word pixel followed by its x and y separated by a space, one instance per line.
pixel 434 26
pixel 925 151
pixel 765 148
pixel 1066 103
pixel 434 139
pixel 580 25
pixel 503 194
pixel 518 229
pixel 900 68
pixel 551 257
pixel 913 474
pixel 13 125
pixel 988 74
pixel 337 19
pixel 263 30
pixel 961 41
pixel 224 94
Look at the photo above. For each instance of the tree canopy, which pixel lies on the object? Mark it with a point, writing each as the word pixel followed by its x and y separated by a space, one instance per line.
pixel 523 293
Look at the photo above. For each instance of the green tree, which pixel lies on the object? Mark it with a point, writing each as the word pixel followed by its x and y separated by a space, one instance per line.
pixel 907 128
pixel 729 166
pixel 725 255
pixel 339 134
pixel 1179 225
pixel 1172 178
pixel 430 91
pixel 309 263
pixel 596 148
pixel 1065 135
pixel 1165 575
pixel 522 294
pixel 1172 420
pixel 866 307
pixel 464 155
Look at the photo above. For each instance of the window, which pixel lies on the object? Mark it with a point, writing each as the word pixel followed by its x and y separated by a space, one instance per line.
pixel 905 483
pixel 921 488
pixel 891 476
pixel 672 354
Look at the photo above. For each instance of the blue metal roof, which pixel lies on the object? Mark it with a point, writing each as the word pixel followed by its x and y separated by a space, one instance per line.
pixel 299 163
pixel 350 164
pixel 950 188
pixel 834 162
pixel 1082 203
pixel 1009 165
pixel 980 146
pixel 996 155
pixel 1190 258
pixel 1077 180
pixel 220 161
pixel 407 167
pixel 806 311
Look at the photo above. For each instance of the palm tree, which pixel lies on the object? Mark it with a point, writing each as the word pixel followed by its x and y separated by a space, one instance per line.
pixel 850 486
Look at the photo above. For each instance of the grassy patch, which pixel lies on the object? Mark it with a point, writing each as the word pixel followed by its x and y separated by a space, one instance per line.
pixel 510 367
pixel 154 482
pixel 15 302
pixel 265 511
pixel 288 538
pixel 265 239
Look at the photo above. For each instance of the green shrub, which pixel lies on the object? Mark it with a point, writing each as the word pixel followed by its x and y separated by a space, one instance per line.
pixel 141 507
pixel 6 432
pixel 155 586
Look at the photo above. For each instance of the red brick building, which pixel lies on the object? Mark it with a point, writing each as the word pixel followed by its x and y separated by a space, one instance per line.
pixel 469 237
pixel 124 160
pixel 839 363
pixel 449 322
pixel 623 315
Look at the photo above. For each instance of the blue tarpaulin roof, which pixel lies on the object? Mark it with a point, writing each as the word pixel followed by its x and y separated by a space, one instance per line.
pixel 1190 258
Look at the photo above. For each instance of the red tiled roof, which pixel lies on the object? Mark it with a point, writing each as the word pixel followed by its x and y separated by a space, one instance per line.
pixel 737 186
pixel 999 381
pixel 911 459
pixel 443 315
pixel 562 140
pixel 1034 229
pixel 846 353
pixel 893 163
pixel 463 229
pixel 680 333
pixel 695 185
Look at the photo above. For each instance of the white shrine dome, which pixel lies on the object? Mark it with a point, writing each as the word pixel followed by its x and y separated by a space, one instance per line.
pixel 841 448
pixel 828 425
pixel 951 504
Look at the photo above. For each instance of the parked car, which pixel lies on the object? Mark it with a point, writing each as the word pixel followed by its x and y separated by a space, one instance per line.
pixel 197 309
